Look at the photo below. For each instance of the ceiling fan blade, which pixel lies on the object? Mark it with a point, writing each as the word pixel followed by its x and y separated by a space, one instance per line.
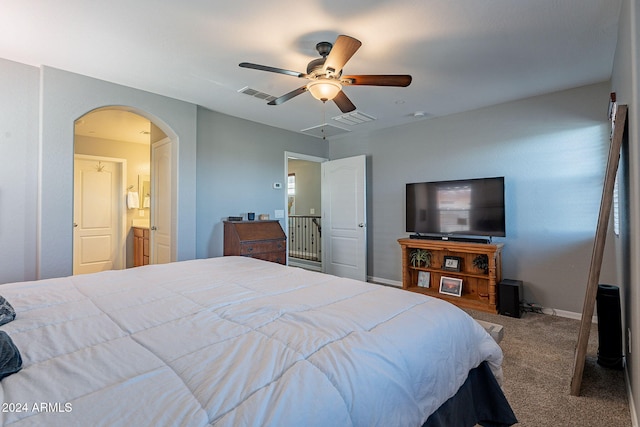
pixel 342 50
pixel 343 102
pixel 402 80
pixel 272 69
pixel 288 96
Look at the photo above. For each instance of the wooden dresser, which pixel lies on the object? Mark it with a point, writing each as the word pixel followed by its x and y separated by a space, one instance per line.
pixel 140 246
pixel 256 239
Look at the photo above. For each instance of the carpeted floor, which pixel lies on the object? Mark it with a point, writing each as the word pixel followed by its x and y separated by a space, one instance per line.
pixel 538 366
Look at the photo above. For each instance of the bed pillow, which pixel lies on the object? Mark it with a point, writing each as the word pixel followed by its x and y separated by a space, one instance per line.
pixel 10 359
pixel 7 313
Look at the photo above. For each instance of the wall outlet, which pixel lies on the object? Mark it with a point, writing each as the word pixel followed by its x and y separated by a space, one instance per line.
pixel 277 185
pixel 312 211
pixel 279 213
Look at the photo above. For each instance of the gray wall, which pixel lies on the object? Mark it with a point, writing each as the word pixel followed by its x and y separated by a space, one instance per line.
pixel 626 70
pixel 66 97
pixel 237 165
pixel 19 172
pixel 38 110
pixel 238 162
pixel 552 152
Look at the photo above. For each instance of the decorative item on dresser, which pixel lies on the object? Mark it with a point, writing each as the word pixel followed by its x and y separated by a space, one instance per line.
pixel 458 261
pixel 140 246
pixel 256 239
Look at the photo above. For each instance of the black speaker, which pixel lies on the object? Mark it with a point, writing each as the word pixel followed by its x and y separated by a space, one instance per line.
pixel 609 327
pixel 509 292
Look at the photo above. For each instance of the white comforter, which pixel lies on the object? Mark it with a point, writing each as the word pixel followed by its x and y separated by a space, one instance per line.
pixel 233 342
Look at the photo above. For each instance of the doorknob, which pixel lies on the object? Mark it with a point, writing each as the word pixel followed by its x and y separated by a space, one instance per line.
pixel 361 225
pixel 153 227
pixel 75 225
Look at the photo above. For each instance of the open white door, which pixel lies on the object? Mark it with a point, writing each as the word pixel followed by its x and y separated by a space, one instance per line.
pixel 98 206
pixel 344 217
pixel 161 202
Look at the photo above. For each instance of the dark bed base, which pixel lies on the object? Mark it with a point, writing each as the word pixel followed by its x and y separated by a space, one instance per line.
pixel 479 401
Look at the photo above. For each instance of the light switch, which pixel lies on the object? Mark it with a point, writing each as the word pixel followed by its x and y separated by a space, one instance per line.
pixel 279 213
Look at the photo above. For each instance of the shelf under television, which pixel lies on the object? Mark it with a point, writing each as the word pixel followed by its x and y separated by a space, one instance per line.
pixel 478 286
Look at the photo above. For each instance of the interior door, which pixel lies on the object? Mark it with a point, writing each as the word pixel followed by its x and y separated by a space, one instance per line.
pixel 97 216
pixel 161 202
pixel 344 219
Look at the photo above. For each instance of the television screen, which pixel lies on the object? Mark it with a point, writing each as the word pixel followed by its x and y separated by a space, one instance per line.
pixel 467 207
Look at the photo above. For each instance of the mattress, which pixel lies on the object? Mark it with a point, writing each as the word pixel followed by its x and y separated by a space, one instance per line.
pixel 233 341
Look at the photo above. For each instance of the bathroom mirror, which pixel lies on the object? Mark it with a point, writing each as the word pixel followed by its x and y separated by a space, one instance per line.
pixel 144 187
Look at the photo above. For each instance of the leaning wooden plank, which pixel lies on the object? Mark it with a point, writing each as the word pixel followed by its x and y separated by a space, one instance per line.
pixel 598 249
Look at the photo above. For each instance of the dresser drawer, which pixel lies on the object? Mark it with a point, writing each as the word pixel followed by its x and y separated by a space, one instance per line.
pixel 279 257
pixel 249 248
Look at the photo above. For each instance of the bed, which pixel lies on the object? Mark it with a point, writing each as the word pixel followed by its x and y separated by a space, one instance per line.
pixel 235 341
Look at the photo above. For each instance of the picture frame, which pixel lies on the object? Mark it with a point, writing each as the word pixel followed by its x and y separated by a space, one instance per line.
pixel 424 279
pixel 450 286
pixel 452 263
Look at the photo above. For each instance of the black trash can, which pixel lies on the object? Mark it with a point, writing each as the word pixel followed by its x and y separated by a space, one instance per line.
pixel 609 327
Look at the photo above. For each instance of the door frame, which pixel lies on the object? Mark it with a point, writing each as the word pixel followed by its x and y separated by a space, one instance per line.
pixel 297 156
pixel 122 217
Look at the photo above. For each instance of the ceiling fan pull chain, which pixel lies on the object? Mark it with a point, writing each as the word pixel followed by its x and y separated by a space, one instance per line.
pixel 324 119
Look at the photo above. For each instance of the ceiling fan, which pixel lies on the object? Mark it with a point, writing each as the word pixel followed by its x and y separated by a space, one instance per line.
pixel 325 74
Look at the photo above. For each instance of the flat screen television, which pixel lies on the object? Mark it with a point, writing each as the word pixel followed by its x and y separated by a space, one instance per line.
pixel 470 207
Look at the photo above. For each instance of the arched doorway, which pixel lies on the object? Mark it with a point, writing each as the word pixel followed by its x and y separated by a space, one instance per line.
pixel 128 136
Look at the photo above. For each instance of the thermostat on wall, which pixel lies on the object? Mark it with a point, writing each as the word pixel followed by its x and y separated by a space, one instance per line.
pixel 277 185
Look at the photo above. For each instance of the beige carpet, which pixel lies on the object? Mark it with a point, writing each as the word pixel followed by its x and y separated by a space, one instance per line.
pixel 538 366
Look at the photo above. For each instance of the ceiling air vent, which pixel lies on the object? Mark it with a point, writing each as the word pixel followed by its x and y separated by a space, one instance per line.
pixel 354 118
pixel 257 94
pixel 324 131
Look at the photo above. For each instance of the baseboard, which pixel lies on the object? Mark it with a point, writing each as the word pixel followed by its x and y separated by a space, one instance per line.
pixel 308 265
pixel 632 406
pixel 567 314
pixel 380 281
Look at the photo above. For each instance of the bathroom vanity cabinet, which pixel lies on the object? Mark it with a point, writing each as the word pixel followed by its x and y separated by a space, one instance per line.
pixel 140 246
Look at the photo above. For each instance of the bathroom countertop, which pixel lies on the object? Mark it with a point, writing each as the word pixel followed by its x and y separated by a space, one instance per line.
pixel 140 223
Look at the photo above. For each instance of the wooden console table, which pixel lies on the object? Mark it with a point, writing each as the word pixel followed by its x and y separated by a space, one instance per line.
pixel 479 290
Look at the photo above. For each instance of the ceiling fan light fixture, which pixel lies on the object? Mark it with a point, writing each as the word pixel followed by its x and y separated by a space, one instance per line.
pixel 324 90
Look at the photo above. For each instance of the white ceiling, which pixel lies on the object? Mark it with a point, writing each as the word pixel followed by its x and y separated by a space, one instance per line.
pixel 114 125
pixel 462 54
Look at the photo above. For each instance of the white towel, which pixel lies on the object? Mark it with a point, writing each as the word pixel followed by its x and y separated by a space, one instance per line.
pixel 146 203
pixel 133 201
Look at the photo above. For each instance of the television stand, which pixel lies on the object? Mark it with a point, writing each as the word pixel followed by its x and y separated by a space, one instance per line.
pixel 479 286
